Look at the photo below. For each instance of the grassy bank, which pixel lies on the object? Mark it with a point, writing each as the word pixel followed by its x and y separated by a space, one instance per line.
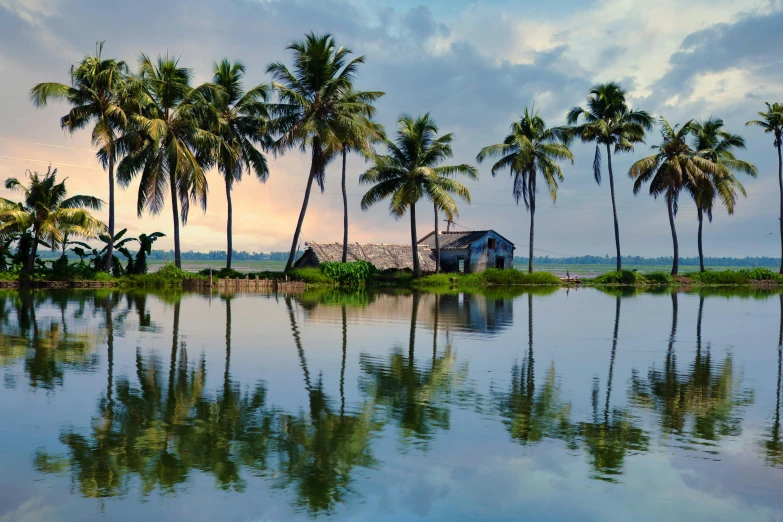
pixel 744 277
pixel 170 276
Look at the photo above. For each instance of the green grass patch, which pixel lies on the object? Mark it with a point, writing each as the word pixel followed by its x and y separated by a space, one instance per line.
pixel 620 277
pixel 720 277
pixel 313 276
pixel 761 274
pixel 658 278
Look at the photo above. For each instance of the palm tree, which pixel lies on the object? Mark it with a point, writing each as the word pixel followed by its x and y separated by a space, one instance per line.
pixel 241 125
pixel 49 212
pixel 167 140
pixel 530 148
pixel 609 121
pixel 357 134
pixel 412 170
pixel 717 145
pixel 772 122
pixel 676 166
pixel 313 108
pixel 96 95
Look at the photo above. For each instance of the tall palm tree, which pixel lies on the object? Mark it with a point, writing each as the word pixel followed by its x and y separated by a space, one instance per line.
pixel 97 96
pixel 412 171
pixel 608 121
pixel 313 107
pixel 676 166
pixel 772 122
pixel 167 135
pixel 530 148
pixel 357 134
pixel 717 145
pixel 48 211
pixel 242 124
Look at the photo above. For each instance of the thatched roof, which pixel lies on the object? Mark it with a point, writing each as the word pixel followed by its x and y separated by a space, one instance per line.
pixel 383 257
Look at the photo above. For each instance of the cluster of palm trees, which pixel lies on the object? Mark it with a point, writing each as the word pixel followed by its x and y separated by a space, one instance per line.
pixel 156 126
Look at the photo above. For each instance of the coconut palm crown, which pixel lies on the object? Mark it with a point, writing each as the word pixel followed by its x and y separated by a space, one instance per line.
pixel 97 97
pixel 412 170
pixel 609 122
pixel 174 123
pixel 530 148
pixel 242 124
pixel 48 211
pixel 772 122
pixel 675 166
pixel 713 142
pixel 313 107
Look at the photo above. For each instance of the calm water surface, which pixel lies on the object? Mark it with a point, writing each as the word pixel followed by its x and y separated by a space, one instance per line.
pixel 577 405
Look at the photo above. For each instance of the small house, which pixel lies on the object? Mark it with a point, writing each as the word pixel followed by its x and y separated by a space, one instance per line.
pixel 471 252
pixel 383 257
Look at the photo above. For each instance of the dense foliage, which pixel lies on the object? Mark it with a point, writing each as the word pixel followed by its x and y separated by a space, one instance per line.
pixel 356 273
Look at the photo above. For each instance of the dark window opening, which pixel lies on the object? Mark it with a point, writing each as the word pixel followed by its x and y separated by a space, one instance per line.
pixel 461 262
pixel 500 262
pixel 491 243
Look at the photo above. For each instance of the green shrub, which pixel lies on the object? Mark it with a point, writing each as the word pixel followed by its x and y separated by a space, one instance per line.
pixel 356 273
pixel 622 277
pixel 721 277
pixel 310 276
pixel 658 278
pixel 761 274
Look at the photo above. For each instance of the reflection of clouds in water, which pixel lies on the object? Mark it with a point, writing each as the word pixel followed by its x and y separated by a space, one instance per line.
pixel 738 475
pixel 31 510
pixel 547 484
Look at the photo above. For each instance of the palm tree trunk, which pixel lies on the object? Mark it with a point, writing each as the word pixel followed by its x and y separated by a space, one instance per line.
pixel 294 244
pixel 698 322
pixel 412 336
pixel 780 183
pixel 700 214
pixel 612 358
pixel 175 213
pixel 437 241
pixel 342 366
pixel 110 246
pixel 345 210
pixel 229 224
pixel 414 242
pixel 676 261
pixel 614 208
pixel 109 356
pixel 33 252
pixel 532 193
pixel 227 372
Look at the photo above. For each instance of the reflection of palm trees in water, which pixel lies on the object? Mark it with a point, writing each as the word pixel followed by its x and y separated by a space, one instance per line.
pixel 318 451
pixel 700 406
pixel 531 417
pixel 773 446
pixel 419 401
pixel 46 346
pixel 161 435
pixel 610 439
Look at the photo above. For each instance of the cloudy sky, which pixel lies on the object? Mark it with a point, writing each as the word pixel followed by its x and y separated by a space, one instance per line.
pixel 474 65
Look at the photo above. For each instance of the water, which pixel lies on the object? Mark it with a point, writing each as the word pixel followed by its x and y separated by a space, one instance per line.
pixel 556 405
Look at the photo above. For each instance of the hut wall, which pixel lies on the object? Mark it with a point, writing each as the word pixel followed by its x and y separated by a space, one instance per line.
pixel 483 257
pixel 449 260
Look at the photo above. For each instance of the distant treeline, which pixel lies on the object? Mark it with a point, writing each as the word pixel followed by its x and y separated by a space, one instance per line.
pixel 638 260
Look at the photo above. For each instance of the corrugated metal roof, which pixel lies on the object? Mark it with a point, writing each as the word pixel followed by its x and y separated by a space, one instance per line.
pixel 383 257
pixel 456 240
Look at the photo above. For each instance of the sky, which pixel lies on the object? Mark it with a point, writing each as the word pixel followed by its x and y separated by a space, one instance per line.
pixel 474 66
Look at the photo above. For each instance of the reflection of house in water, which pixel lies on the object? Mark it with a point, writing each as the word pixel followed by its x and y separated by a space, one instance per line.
pixel 475 312
pixel 458 312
